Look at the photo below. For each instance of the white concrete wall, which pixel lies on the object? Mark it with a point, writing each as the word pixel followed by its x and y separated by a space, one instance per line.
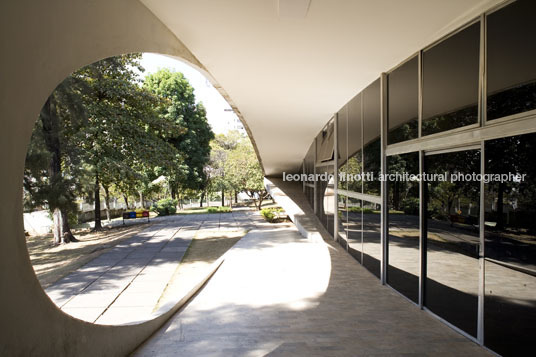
pixel 37 223
pixel 41 42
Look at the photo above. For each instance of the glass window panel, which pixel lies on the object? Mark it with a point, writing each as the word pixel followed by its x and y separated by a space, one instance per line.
pixel 372 168
pixel 371 138
pixel 511 54
pixel 354 228
pixel 355 161
pixel 354 169
pixel 342 134
pixel 403 260
pixel 309 169
pixel 329 206
pixel 325 142
pixel 450 82
pixel 403 103
pixel 342 128
pixel 371 237
pixel 321 187
pixel 354 125
pixel 343 220
pixel 325 197
pixel 451 285
pixel 510 246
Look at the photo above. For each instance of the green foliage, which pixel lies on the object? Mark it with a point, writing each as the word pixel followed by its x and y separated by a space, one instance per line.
pixel 410 206
pixel 243 171
pixel 124 136
pixel 354 167
pixel 271 214
pixel 102 130
pixel 221 209
pixel 360 209
pixel 233 167
pixel 180 109
pixel 165 207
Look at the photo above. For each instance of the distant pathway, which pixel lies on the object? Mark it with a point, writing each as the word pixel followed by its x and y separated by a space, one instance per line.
pixel 124 284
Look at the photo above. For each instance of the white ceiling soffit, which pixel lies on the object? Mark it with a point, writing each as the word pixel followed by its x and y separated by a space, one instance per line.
pixel 293 9
pixel 288 65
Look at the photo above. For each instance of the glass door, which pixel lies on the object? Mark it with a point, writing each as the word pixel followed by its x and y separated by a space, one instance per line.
pixel 452 196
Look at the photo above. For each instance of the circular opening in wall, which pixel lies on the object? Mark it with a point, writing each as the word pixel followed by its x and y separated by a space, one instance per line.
pixel 115 153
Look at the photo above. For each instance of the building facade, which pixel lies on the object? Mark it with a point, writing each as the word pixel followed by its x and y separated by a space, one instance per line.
pixel 458 245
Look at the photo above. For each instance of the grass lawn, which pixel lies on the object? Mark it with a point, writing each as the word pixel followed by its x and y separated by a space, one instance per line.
pixel 200 210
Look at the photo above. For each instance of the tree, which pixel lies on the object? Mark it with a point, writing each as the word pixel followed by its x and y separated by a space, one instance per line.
pixel 50 154
pixel 124 135
pixel 193 143
pixel 244 172
pixel 216 179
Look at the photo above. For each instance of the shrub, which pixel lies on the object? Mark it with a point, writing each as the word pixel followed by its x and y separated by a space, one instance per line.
pixel 360 209
pixel 271 214
pixel 221 209
pixel 410 205
pixel 165 207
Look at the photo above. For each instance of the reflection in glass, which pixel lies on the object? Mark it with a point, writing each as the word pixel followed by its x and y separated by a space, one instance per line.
pixel 325 143
pixel 371 237
pixel 371 137
pixel 321 187
pixel 309 169
pixel 511 53
pixel 451 285
pixel 354 168
pixel 343 220
pixel 354 228
pixel 342 135
pixel 403 257
pixel 403 102
pixel 354 125
pixel 450 82
pixel 342 140
pixel 510 246
pixel 329 206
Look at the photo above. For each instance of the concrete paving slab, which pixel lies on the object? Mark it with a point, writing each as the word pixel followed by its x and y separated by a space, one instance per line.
pixel 123 315
pixel 281 294
pixel 84 313
pixel 121 283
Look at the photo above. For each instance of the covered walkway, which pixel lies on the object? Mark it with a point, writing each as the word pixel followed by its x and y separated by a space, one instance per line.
pixel 279 293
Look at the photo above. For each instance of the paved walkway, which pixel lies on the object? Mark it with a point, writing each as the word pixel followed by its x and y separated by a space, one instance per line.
pixel 124 284
pixel 280 294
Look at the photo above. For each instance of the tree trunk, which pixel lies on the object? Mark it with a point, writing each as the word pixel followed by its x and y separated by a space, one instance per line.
pixel 173 192
pixel 126 200
pixel 222 197
pixel 235 197
pixel 500 206
pixel 396 195
pixel 51 129
pixel 98 224
pixel 261 198
pixel 107 202
pixel 57 228
pixel 67 235
pixel 201 200
pixel 141 199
